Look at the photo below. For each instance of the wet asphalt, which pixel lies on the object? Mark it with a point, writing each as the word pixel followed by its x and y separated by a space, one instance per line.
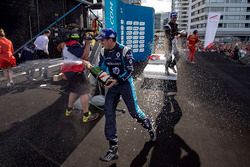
pixel 207 124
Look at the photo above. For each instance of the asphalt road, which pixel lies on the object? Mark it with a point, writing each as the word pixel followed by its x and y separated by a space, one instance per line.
pixel 207 125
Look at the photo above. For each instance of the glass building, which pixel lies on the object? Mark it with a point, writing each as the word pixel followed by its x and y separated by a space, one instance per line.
pixel 182 7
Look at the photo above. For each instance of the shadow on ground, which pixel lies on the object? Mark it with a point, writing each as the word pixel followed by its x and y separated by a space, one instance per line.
pixel 45 139
pixel 170 149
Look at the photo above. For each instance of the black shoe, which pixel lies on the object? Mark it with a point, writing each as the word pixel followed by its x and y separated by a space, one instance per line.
pixel 111 154
pixel 152 134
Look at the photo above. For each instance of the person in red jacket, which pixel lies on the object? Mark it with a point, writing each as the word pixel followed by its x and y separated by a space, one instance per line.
pixel 7 59
pixel 192 40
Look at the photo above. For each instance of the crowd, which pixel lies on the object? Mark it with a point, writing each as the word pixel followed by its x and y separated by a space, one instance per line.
pixel 235 50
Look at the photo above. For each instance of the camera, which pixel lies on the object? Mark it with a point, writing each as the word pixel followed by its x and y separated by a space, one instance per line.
pixel 71 32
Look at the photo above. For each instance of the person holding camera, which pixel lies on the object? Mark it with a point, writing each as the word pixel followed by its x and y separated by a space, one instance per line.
pixel 73 71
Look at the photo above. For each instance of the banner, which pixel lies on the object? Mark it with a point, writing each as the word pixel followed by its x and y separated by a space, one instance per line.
pixel 111 14
pixel 134 26
pixel 212 25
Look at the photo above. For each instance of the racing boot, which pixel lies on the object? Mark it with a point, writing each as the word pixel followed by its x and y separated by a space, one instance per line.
pixel 112 154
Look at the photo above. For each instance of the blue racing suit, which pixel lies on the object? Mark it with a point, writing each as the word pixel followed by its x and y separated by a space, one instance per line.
pixel 118 63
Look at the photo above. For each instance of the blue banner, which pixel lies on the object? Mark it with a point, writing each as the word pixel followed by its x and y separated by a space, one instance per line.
pixel 111 14
pixel 134 26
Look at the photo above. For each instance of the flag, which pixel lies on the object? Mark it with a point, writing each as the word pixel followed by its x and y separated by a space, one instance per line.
pixel 212 25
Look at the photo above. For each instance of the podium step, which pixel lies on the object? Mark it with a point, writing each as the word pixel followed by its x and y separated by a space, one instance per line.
pixel 157 71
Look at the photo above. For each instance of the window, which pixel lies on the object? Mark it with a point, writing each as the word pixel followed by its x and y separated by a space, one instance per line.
pixel 237 9
pixel 237 1
pixel 220 25
pixel 217 9
pixel 233 25
pixel 217 1
pixel 230 17
pixel 242 25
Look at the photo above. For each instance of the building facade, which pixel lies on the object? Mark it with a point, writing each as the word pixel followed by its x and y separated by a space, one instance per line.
pixel 182 7
pixel 160 20
pixel 158 25
pixel 234 21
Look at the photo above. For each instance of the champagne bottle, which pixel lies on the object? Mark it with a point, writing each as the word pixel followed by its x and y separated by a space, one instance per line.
pixel 98 73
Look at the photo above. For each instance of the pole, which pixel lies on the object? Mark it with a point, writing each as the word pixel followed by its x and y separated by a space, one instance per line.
pixel 30 27
pixel 37 15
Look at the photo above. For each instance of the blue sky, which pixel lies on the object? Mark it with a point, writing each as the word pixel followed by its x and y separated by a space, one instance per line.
pixel 158 5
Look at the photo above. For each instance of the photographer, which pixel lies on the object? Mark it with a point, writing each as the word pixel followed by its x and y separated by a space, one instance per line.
pixel 73 71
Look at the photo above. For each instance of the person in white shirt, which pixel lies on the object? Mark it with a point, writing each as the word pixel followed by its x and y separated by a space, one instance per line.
pixel 41 47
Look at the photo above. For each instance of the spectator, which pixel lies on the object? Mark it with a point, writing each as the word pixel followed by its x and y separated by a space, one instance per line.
pixel 41 46
pixel 7 59
pixel 236 52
